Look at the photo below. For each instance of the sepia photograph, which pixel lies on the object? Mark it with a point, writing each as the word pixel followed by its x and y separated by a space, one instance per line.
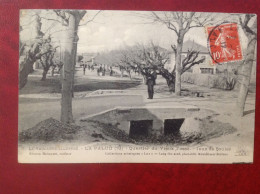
pixel 103 86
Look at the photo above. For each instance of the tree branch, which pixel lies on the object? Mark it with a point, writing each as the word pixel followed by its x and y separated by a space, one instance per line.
pixel 244 24
pixel 91 19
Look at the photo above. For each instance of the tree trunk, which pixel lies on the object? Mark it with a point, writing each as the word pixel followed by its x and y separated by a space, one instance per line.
pixel 66 91
pixel 75 49
pixel 170 79
pixel 178 65
pixel 171 85
pixel 52 70
pixel 129 73
pixel 31 68
pixel 44 74
pixel 37 65
pixel 144 79
pixel 246 73
pixel 25 68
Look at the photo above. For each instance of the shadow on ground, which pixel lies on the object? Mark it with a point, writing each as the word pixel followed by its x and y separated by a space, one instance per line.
pixel 93 85
pixel 34 85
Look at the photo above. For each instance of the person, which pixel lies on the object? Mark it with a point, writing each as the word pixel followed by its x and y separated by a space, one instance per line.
pixel 150 76
pixel 104 71
pixel 111 70
pixel 84 69
pixel 98 70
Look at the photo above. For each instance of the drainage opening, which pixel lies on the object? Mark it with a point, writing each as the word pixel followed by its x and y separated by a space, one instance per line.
pixel 172 126
pixel 140 128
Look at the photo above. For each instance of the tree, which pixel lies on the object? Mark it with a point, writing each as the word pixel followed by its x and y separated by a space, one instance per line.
pixel 117 58
pixel 57 64
pixel 251 33
pixel 126 64
pixel 47 59
pixel 153 56
pixel 80 57
pixel 38 48
pixel 180 23
pixel 33 52
pixel 70 19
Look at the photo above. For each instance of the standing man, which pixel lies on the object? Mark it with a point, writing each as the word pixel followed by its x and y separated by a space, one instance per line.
pixel 104 70
pixel 84 69
pixel 111 70
pixel 151 76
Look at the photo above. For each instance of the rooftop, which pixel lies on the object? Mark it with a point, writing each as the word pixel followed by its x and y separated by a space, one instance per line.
pixel 189 44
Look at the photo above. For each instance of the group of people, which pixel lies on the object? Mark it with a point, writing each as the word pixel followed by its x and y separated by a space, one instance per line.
pixel 89 67
pixel 101 70
pixel 149 74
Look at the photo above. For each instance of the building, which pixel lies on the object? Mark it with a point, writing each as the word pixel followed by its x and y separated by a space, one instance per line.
pixel 205 67
pixel 88 58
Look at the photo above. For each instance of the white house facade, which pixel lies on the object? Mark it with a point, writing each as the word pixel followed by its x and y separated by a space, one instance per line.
pixel 205 68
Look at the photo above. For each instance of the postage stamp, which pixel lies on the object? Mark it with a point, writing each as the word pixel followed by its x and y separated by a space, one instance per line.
pixel 223 43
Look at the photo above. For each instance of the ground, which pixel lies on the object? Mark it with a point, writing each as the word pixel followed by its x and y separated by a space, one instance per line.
pixel 40 100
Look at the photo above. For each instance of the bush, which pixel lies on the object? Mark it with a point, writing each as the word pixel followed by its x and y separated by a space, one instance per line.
pixel 211 81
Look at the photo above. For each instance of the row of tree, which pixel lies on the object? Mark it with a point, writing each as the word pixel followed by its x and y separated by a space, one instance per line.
pixel 41 49
pixel 181 23
pixel 140 57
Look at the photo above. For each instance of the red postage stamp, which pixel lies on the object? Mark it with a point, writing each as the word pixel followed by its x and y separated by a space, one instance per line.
pixel 223 43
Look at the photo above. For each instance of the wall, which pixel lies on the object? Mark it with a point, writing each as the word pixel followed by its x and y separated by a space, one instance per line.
pixel 122 117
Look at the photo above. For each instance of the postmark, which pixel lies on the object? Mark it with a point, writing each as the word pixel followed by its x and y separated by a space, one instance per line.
pixel 223 43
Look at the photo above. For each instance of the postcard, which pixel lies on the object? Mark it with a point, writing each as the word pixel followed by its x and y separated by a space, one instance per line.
pixel 102 86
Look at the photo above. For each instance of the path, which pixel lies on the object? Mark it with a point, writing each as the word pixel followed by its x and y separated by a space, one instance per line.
pixel 32 113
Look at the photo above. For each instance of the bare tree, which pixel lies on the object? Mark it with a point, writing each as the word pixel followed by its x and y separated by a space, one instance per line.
pixel 56 64
pixel 47 59
pixel 153 56
pixel 119 58
pixel 180 23
pixel 38 48
pixel 33 53
pixel 126 62
pixel 251 33
pixel 70 19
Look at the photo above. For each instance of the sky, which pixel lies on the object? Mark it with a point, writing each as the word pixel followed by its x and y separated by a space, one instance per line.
pixel 117 29
pixel 111 30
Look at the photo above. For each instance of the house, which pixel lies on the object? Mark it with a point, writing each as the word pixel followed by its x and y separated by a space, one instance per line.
pixel 88 58
pixel 205 67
